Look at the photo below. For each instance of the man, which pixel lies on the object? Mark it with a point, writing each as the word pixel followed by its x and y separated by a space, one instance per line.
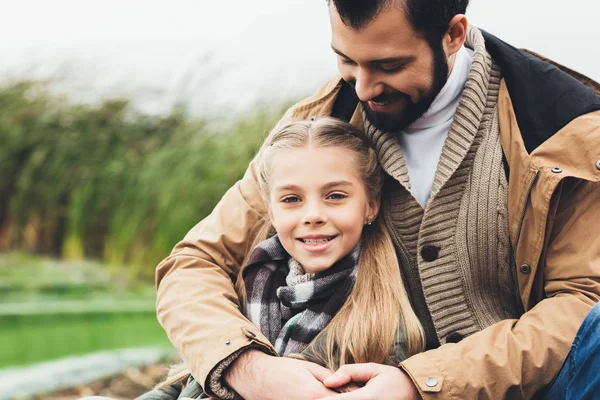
pixel 492 202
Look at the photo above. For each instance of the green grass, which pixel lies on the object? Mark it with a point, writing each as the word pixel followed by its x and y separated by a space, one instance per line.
pixel 30 338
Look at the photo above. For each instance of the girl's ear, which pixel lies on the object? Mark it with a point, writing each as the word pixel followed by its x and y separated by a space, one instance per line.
pixel 373 209
pixel 269 212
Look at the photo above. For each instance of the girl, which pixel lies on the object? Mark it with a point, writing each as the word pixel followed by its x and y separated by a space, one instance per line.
pixel 327 285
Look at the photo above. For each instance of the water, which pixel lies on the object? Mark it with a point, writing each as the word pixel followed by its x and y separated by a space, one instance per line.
pixel 223 57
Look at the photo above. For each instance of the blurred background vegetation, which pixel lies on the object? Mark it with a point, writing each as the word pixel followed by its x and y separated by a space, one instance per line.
pixel 107 183
pixel 92 197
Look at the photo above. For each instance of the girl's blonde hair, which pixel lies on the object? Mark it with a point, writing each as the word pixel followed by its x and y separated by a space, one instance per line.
pixel 365 327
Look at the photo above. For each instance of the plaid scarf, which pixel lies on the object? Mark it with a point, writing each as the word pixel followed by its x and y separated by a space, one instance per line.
pixel 287 305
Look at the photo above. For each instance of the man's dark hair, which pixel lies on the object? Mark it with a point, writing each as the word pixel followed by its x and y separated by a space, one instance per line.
pixel 430 18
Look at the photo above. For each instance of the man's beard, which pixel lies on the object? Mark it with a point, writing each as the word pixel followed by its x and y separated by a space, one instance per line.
pixel 394 122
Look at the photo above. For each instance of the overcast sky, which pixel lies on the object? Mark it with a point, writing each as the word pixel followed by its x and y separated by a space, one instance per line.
pixel 226 55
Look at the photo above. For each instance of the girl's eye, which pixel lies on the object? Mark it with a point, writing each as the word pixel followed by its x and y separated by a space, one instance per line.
pixel 290 199
pixel 337 196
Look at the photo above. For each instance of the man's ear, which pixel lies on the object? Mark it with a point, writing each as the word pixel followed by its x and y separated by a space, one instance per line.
pixel 456 35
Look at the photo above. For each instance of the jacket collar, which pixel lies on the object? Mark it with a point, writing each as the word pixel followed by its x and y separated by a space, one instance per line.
pixel 545 99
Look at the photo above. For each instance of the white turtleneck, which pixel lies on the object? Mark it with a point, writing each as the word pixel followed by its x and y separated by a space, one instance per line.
pixel 423 140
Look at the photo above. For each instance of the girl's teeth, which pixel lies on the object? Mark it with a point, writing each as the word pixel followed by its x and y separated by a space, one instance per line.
pixel 315 241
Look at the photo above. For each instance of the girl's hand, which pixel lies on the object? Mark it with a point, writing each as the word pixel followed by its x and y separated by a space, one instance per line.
pixel 381 382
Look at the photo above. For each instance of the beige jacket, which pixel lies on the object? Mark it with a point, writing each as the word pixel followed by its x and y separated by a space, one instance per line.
pixel 553 219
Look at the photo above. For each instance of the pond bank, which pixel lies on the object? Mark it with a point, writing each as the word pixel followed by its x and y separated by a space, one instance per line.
pixel 72 372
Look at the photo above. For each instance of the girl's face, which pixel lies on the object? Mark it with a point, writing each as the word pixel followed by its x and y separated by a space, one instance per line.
pixel 318 204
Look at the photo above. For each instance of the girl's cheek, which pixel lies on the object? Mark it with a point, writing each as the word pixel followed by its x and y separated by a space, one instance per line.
pixel 287 222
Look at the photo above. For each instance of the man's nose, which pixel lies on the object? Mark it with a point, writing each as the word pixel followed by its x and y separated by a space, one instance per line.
pixel 366 85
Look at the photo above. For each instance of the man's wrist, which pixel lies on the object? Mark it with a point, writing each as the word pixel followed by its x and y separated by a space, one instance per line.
pixel 218 382
pixel 244 367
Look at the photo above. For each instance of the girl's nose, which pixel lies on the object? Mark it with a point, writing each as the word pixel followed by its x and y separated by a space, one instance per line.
pixel 314 215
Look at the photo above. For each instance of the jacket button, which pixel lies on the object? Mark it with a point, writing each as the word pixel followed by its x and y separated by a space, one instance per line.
pixel 556 170
pixel 251 334
pixel 454 337
pixel 431 382
pixel 429 253
pixel 228 343
pixel 598 164
pixel 525 268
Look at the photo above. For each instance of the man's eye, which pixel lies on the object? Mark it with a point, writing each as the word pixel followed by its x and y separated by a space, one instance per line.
pixel 391 67
pixel 337 196
pixel 346 61
pixel 290 199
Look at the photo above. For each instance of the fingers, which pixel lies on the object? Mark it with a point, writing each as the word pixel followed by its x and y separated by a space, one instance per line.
pixel 327 392
pixel 319 372
pixel 348 387
pixel 353 373
pixel 354 395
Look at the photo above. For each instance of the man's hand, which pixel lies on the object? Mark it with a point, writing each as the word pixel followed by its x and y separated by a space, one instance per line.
pixel 256 375
pixel 381 382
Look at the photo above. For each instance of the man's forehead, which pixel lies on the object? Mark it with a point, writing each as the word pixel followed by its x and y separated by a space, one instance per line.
pixel 358 18
pixel 388 35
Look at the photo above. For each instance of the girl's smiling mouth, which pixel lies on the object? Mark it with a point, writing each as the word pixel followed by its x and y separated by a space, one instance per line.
pixel 316 244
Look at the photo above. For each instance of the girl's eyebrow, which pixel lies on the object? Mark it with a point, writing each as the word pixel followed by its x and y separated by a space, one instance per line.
pixel 287 187
pixel 337 184
pixel 328 185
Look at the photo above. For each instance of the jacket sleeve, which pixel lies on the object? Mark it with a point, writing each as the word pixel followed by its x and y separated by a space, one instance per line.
pixel 196 301
pixel 517 358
